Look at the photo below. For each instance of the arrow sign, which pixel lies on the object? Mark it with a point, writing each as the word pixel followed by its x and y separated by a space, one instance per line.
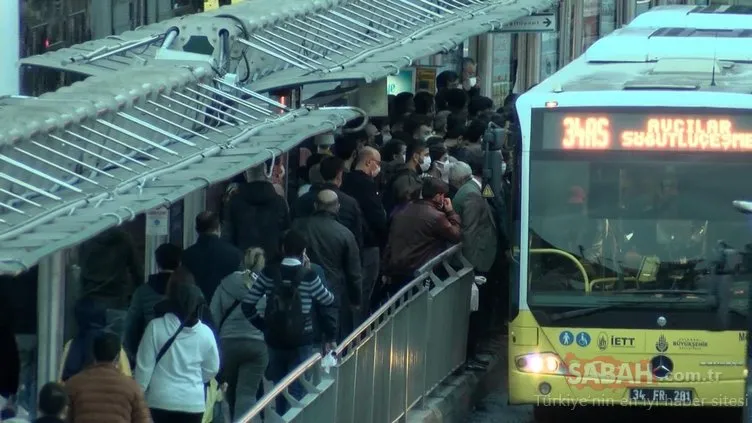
pixel 541 22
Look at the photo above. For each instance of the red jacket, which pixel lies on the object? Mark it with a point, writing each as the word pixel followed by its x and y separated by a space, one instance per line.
pixel 418 233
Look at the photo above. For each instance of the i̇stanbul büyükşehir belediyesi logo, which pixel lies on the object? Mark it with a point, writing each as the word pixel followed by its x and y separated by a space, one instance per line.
pixel 602 341
pixel 662 344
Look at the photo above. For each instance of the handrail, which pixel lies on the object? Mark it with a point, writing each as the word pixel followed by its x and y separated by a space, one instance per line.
pixel 438 259
pixel 351 345
pixel 280 387
pixel 571 257
pixel 384 308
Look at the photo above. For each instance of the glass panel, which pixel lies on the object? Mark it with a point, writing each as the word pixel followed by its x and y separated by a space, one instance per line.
pixel 599 20
pixel 549 61
pixel 638 222
pixel 502 67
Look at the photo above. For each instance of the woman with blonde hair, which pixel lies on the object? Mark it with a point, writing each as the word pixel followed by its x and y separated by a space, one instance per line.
pixel 241 344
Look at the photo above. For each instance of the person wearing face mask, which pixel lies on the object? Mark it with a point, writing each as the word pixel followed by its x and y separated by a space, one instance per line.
pixel 440 162
pixel 420 232
pixel 416 127
pixel 392 160
pixel 470 80
pixel 360 184
pixel 405 183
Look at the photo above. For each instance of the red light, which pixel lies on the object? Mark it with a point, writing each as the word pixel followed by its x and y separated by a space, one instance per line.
pixel 47 43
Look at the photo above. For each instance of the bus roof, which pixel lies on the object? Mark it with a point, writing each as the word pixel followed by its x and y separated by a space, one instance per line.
pixel 658 52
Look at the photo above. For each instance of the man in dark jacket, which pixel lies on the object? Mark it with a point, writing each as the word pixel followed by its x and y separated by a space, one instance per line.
pixel 419 233
pixel 210 259
pixel 10 370
pixel 255 215
pixel 141 311
pixel 332 246
pixel 332 170
pixel 360 185
pixel 405 184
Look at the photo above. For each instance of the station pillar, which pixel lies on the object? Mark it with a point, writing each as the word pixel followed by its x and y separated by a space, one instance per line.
pixel 10 28
pixel 50 316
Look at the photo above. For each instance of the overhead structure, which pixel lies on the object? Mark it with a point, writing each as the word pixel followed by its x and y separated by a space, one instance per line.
pixel 98 153
pixel 110 54
pixel 272 44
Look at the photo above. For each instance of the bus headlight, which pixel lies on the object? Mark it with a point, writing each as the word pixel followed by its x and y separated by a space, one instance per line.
pixel 541 363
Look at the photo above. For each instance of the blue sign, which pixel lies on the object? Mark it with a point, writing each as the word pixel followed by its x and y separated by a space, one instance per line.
pixel 566 338
pixel 402 82
pixel 583 339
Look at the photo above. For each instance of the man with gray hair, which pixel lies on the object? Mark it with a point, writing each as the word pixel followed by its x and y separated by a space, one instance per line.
pixel 332 246
pixel 460 173
pixel 479 245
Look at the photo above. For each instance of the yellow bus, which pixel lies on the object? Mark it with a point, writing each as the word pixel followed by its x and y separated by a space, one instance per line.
pixel 633 270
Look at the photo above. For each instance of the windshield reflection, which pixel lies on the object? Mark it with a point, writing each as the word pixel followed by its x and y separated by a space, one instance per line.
pixel 629 227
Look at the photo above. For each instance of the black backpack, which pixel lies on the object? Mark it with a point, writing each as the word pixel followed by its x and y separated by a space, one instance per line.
pixel 283 318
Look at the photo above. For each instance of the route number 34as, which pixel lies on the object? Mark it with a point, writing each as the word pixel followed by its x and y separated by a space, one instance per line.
pixel 591 133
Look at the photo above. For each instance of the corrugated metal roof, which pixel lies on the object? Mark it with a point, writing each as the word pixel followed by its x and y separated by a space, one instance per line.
pixel 379 60
pixel 273 43
pixel 104 150
pixel 137 48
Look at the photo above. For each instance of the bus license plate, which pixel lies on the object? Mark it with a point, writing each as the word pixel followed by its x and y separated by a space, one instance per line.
pixel 681 396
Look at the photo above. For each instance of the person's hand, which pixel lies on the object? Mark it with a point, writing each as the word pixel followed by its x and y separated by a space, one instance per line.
pixel 448 205
pixel 306 261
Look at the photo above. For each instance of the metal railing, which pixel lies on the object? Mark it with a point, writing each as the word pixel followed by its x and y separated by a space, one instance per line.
pixel 393 361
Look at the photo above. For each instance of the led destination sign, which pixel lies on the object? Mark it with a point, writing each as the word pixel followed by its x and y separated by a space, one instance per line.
pixel 646 131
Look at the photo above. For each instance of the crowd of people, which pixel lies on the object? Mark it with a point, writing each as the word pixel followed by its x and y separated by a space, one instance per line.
pixel 271 280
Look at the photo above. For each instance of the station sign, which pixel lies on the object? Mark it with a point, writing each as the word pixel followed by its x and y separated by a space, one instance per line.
pixel 539 22
pixel 647 129
pixel 404 81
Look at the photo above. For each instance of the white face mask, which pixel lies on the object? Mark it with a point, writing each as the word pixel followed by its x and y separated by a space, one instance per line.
pixel 404 158
pixel 503 168
pixel 425 164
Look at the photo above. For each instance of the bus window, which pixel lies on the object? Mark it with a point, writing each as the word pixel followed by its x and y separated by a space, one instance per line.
pixel 656 224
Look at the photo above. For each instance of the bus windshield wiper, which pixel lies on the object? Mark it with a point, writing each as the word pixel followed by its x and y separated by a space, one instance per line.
pixel 592 310
pixel 669 292
pixel 581 312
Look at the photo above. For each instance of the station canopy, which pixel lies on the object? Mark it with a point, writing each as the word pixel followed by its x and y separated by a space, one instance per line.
pixel 98 153
pixel 272 44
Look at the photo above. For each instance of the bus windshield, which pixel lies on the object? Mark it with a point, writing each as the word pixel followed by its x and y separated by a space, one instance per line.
pixel 615 226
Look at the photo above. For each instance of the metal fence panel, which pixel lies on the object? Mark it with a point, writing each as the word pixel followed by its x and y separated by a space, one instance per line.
pixel 416 350
pixel 399 370
pixel 382 373
pixel 362 403
pixel 394 359
pixel 346 378
pixel 318 405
